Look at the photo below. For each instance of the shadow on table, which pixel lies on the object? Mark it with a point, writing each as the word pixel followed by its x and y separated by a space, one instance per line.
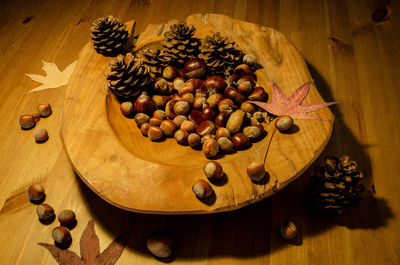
pixel 253 230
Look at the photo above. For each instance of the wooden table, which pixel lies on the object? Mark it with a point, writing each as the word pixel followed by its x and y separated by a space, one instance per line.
pixel 353 60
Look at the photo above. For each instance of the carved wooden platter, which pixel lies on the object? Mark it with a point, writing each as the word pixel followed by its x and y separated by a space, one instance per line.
pixel 111 156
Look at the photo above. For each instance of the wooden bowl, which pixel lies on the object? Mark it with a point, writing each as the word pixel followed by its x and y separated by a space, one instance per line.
pixel 126 169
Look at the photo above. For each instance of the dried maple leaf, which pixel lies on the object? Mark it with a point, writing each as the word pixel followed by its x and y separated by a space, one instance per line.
pixel 90 250
pixel 282 106
pixel 54 77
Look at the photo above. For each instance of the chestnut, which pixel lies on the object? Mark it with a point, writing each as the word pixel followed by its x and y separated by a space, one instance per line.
pixel 168 127
pixel 155 133
pixel 214 99
pixel 210 148
pixel 161 100
pixel 256 171
pixel 194 140
pixel 234 95
pixel 185 88
pixel 213 170
pixel 199 103
pixel 205 127
pixel 197 116
pixel 188 97
pixel 144 129
pixel 225 144
pixel 245 87
pixel 202 189
pixel 141 118
pixel 284 123
pixel 197 83
pixel 188 126
pixel 169 108
pixel 126 108
pixel 240 141
pixel 254 131
pixel 200 93
pixel 195 68
pixel 221 118
pixel 215 84
pixel 222 132
pixel 242 69
pixel 181 108
pixel 181 136
pixel 208 112
pixel 245 78
pixel 248 107
pixel 178 82
pixel 154 122
pixel 178 120
pixel 144 104
pixel 257 94
pixel 236 121
pixel 160 114
pixel 170 72
pixel 225 104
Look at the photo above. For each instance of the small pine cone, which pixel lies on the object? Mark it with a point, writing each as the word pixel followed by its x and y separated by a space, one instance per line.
pixel 335 185
pixel 180 45
pixel 108 35
pixel 220 54
pixel 154 58
pixel 128 76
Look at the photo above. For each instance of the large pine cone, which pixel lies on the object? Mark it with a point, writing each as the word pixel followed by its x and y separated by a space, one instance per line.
pixel 220 54
pixel 180 44
pixel 335 185
pixel 128 76
pixel 155 59
pixel 108 35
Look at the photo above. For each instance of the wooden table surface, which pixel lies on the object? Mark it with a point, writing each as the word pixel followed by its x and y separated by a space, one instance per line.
pixel 353 60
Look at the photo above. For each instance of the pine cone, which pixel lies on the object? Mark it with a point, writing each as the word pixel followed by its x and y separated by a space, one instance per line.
pixel 155 59
pixel 108 35
pixel 128 76
pixel 220 54
pixel 335 185
pixel 180 44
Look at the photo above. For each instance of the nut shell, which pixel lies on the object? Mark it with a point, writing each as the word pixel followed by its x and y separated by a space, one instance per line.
pixel 144 104
pixel 222 132
pixel 160 114
pixel 155 122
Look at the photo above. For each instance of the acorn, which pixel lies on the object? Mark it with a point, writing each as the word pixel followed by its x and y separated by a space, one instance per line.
pixel 181 108
pixel 186 88
pixel 155 122
pixel 236 121
pixel 208 112
pixel 197 84
pixel 242 69
pixel 234 95
pixel 222 118
pixel 222 132
pixel 253 132
pixel 188 126
pixel 225 104
pixel 178 82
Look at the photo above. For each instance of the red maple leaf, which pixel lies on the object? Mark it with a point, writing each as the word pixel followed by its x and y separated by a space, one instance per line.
pixel 282 106
pixel 90 250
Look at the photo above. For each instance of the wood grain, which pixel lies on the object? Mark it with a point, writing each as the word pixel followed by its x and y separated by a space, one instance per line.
pixel 352 60
pixel 136 174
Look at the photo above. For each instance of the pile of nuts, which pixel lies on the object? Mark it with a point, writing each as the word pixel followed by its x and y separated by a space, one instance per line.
pixel 209 112
pixel 61 234
pixel 29 121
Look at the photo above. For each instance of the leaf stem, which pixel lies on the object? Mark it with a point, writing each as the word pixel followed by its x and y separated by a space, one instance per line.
pixel 271 134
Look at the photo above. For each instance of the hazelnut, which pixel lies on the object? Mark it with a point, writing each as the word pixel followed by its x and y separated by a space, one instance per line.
pixel 181 136
pixel 256 171
pixel 199 103
pixel 188 126
pixel 160 114
pixel 169 108
pixel 214 99
pixel 206 127
pixel 155 133
pixel 144 129
pixel 234 95
pixel 44 110
pixel 253 132
pixel 66 217
pixel 41 135
pixel 210 148
pixel 194 140
pixel 178 82
pixel 248 107
pixel 144 104
pixel 202 189
pixel 168 127
pixel 160 244
pixel 186 88
pixel 225 144
pixel 222 118
pixel 250 60
pixel 45 212
pixel 181 108
pixel 242 69
pixel 178 120
pixel 284 123
pixel 126 108
pixel 257 94
pixel 225 104
pixel 236 121
pixel 207 137
pixel 215 84
pixel 245 78
pixel 188 97
pixel 61 235
pixel 154 122
pixel 161 85
pixel 170 72
pixel 222 132
pixel 240 141
pixel 161 100
pixel 27 121
pixel 288 230
pixel 213 170
pixel 141 118
pixel 36 116
pixel 208 112
pixel 36 192
pixel 245 87
pixel 196 116
pixel 201 93
pixel 195 68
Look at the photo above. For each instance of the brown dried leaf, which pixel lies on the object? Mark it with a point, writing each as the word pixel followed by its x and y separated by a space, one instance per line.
pixel 90 246
pixel 111 254
pixel 63 257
